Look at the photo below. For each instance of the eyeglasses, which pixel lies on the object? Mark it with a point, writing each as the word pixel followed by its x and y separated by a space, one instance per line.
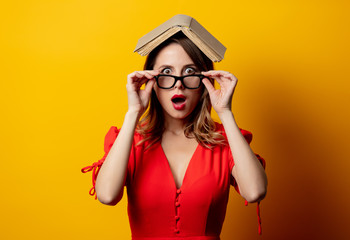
pixel 189 81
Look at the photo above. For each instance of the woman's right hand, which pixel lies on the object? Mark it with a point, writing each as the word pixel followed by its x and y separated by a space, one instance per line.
pixel 138 98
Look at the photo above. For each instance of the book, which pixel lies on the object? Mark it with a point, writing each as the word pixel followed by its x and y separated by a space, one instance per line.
pixel 206 42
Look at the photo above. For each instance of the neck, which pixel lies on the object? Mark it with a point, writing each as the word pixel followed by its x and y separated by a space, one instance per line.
pixel 176 126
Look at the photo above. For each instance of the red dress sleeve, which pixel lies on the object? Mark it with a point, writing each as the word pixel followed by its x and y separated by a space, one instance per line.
pixel 95 167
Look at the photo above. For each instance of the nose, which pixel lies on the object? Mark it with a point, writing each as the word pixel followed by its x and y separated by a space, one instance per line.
pixel 179 84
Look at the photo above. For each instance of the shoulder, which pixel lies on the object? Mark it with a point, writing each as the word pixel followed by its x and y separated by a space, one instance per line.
pixel 112 134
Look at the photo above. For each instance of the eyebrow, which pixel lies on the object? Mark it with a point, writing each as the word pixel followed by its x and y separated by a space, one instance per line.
pixel 187 65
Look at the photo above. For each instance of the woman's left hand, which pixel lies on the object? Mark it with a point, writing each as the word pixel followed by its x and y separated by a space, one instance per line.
pixel 220 98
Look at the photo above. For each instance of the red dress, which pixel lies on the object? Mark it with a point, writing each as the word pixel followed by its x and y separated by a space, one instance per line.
pixel 157 209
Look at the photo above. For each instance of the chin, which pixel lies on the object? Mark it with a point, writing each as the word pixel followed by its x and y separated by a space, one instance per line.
pixel 179 115
pixel 182 114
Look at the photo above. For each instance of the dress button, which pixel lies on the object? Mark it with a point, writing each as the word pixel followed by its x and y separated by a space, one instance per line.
pixel 177 218
pixel 176 230
pixel 178 191
pixel 177 204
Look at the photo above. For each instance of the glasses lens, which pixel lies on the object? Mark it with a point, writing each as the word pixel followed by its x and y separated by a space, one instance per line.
pixel 192 81
pixel 165 81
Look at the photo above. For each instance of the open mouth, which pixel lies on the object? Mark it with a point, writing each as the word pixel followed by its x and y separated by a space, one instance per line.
pixel 179 101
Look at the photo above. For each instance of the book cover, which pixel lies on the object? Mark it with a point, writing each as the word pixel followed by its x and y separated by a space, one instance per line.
pixel 205 41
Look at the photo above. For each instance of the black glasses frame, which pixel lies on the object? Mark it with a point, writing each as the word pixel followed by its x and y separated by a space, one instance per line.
pixel 181 78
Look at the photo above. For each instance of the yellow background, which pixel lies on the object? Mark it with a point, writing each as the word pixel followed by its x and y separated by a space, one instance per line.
pixel 63 75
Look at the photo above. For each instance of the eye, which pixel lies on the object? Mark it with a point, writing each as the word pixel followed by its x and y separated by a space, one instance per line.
pixel 166 70
pixel 190 70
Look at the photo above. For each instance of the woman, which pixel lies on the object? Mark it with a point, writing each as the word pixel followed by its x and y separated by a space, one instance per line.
pixel 176 162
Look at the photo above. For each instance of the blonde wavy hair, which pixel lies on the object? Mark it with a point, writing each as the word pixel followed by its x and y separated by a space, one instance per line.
pixel 199 124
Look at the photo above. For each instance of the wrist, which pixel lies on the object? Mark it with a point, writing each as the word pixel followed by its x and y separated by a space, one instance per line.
pixel 133 115
pixel 226 114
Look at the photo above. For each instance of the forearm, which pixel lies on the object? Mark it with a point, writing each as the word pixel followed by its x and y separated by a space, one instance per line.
pixel 248 171
pixel 111 178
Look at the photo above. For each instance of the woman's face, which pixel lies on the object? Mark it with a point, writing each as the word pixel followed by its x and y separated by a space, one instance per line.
pixel 173 60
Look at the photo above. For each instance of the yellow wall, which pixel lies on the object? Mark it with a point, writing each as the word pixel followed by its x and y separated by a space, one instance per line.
pixel 63 75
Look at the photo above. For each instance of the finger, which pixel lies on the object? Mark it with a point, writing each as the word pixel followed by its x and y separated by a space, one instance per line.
pixel 223 79
pixel 141 76
pixel 136 84
pixel 224 74
pixel 218 79
pixel 216 75
pixel 153 72
pixel 142 81
pixel 208 85
pixel 133 77
pixel 146 74
pixel 149 73
pixel 214 72
pixel 149 86
pixel 230 76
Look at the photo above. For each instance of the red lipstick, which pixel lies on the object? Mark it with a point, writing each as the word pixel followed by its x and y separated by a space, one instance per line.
pixel 179 101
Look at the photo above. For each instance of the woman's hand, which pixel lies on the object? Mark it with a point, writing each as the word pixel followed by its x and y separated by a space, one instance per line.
pixel 220 98
pixel 138 98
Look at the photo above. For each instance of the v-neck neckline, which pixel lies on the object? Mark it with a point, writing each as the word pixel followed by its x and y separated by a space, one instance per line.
pixel 187 168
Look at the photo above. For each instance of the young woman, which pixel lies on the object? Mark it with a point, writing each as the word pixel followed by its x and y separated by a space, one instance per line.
pixel 176 162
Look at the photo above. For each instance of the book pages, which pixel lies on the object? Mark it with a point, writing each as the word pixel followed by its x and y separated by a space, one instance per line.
pixel 192 29
pixel 211 54
pixel 146 49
